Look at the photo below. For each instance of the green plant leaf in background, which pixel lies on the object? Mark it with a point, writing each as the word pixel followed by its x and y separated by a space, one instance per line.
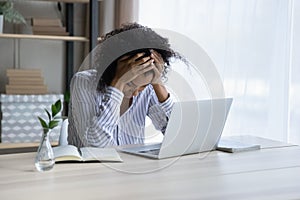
pixel 53 124
pixel 49 115
pixel 56 107
pixel 43 123
pixel 10 14
pixel 53 110
pixel 53 119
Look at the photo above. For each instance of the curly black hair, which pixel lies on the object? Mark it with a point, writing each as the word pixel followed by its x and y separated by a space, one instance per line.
pixel 166 52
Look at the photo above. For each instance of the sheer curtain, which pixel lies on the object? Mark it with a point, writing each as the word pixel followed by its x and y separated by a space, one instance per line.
pixel 255 45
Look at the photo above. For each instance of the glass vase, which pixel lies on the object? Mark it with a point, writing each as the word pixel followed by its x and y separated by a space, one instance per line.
pixel 44 160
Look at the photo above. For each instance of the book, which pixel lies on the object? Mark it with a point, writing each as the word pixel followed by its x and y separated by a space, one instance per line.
pixel 51 33
pixel 232 146
pixel 23 72
pixel 70 153
pixel 48 28
pixel 25 81
pixel 26 89
pixel 46 22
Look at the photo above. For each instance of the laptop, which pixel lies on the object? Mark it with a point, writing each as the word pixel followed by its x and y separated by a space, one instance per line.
pixel 193 127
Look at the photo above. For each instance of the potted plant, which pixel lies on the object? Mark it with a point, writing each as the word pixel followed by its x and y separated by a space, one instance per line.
pixel 44 158
pixel 9 14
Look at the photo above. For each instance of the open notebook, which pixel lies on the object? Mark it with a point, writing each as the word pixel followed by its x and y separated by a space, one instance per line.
pixel 70 153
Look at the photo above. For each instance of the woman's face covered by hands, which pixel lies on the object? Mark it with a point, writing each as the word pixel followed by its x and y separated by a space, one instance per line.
pixel 138 71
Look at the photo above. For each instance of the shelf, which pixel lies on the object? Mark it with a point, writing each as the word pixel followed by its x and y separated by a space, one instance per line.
pixel 45 37
pixel 7 148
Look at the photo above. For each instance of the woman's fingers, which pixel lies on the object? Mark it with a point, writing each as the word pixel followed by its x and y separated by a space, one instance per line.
pixel 131 67
pixel 158 60
pixel 147 66
pixel 136 57
pixel 135 71
pixel 155 55
pixel 157 76
pixel 123 58
pixel 130 59
pixel 142 60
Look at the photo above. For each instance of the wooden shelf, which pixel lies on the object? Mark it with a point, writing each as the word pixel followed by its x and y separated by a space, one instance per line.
pixel 45 37
pixel 8 148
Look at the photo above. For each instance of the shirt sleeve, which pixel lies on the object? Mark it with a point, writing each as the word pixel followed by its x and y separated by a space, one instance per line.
pixel 104 123
pixel 159 113
pixel 93 123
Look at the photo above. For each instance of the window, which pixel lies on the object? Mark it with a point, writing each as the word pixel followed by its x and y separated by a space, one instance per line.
pixel 253 44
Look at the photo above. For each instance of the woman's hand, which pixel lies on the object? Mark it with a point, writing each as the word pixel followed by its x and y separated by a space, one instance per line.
pixel 160 90
pixel 159 66
pixel 128 68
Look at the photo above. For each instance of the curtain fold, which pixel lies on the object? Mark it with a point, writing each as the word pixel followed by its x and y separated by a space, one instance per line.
pixel 112 13
pixel 126 11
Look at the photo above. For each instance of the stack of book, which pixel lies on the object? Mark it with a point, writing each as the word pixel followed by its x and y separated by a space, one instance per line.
pixel 45 26
pixel 25 81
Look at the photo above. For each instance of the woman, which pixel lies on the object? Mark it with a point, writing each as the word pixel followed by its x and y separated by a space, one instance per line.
pixel 129 89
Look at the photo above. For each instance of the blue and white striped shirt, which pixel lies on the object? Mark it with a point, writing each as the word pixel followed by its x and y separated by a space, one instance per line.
pixel 94 117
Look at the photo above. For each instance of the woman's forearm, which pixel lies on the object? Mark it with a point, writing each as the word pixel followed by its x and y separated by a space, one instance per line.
pixel 161 92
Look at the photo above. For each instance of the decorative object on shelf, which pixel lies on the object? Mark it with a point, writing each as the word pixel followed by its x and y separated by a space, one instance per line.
pixel 44 159
pixel 25 81
pixel 9 14
pixel 48 26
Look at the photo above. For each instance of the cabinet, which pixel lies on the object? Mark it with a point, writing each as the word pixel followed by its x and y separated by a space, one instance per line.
pixel 92 39
pixel 19 122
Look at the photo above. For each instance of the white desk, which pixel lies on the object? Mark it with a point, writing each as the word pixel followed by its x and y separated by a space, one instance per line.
pixel 271 173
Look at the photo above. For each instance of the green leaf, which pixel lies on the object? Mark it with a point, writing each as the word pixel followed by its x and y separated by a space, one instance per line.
pixel 49 115
pixel 43 123
pixel 53 119
pixel 58 105
pixel 10 14
pixel 53 124
pixel 54 110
